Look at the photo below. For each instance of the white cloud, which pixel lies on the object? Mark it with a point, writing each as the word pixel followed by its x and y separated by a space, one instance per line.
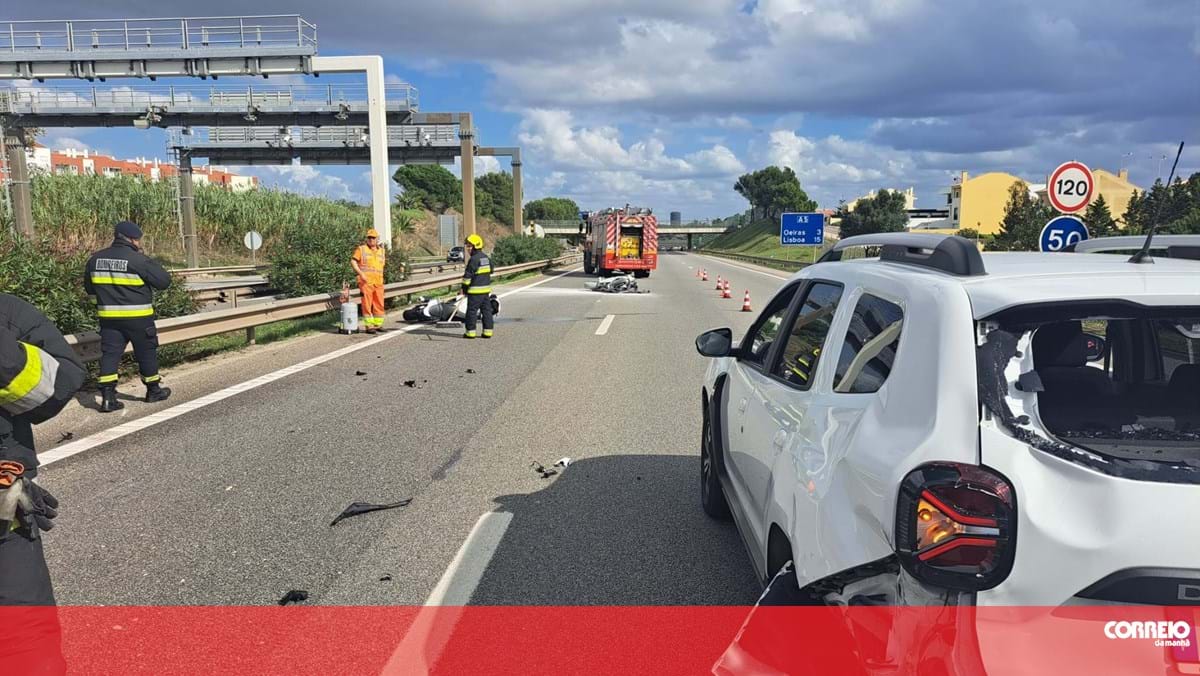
pixel 304 179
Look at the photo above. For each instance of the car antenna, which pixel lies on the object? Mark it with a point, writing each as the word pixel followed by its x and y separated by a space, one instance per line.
pixel 1143 256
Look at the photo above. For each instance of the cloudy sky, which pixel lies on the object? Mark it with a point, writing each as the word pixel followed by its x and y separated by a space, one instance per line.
pixel 663 103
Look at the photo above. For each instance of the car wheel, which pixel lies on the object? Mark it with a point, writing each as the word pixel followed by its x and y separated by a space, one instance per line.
pixel 712 498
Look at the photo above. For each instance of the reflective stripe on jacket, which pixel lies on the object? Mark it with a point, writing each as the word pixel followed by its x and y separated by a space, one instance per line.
pixel 477 278
pixel 123 281
pixel 39 374
pixel 371 262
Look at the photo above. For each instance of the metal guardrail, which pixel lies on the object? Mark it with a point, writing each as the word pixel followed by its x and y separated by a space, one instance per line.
pixel 764 261
pixel 220 270
pixel 132 35
pixel 204 324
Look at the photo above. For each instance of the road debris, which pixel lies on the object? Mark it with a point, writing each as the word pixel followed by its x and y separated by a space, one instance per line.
pixel 620 284
pixel 472 371
pixel 410 383
pixel 293 596
pixel 386 578
pixel 66 436
pixel 360 373
pixel 545 473
pixel 563 462
pixel 357 508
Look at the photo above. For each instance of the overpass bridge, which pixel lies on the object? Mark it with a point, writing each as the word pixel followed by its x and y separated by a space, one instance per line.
pixel 573 229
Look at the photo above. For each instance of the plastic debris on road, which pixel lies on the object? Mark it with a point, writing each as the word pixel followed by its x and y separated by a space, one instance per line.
pixel 360 373
pixel 385 578
pixel 545 473
pixel 563 462
pixel 66 436
pixel 357 508
pixel 293 596
pixel 471 371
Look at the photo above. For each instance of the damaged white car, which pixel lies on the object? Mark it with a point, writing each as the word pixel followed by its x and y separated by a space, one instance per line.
pixel 940 426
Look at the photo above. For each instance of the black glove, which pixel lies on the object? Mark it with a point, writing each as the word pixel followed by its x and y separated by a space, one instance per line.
pixel 25 507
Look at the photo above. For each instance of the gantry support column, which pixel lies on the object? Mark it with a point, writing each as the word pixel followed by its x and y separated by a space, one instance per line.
pixel 467 133
pixel 187 210
pixel 518 194
pixel 22 194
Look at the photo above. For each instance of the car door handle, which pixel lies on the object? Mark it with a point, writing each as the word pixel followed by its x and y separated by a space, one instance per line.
pixel 780 437
pixel 742 405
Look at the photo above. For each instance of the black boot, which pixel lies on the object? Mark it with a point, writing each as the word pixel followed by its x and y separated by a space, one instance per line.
pixel 109 401
pixel 156 392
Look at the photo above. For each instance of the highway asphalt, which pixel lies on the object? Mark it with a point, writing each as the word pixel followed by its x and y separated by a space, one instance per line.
pixel 231 503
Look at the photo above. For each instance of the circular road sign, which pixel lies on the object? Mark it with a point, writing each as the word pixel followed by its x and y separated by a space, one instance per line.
pixel 1071 186
pixel 253 240
pixel 1062 232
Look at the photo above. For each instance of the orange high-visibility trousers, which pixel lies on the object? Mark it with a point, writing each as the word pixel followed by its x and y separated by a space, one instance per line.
pixel 372 306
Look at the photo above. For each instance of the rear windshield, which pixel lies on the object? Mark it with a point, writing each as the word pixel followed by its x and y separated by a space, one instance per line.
pixel 1122 386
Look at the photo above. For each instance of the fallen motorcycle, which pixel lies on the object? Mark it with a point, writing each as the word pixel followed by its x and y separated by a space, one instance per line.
pixel 444 310
pixel 619 284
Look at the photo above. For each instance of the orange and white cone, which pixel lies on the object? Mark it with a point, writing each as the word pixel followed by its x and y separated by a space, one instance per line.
pixel 704 275
pixel 746 302
pixel 719 287
pixel 725 291
pixel 726 282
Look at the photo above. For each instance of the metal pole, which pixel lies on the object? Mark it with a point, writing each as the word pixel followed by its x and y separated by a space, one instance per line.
pixel 467 134
pixel 187 209
pixel 518 194
pixel 22 198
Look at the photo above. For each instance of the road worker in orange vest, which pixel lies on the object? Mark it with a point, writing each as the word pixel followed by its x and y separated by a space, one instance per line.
pixel 368 262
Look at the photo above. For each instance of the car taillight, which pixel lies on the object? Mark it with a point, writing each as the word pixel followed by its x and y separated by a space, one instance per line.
pixel 956 526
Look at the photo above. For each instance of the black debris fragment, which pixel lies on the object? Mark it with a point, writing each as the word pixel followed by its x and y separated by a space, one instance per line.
pixel 360 373
pixel 66 436
pixel 470 370
pixel 357 508
pixel 410 383
pixel 545 473
pixel 639 478
pixel 293 596
pixel 386 578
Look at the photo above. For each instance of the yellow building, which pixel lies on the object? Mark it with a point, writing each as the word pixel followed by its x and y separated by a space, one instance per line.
pixel 978 202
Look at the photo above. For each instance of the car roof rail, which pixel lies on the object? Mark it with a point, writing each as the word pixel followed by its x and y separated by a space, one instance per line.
pixel 1177 246
pixel 947 253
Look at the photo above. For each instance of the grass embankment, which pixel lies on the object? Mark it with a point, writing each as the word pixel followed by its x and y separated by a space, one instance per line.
pixel 761 238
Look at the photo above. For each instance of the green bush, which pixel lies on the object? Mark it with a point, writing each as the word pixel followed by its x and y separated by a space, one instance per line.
pixel 516 249
pixel 50 276
pixel 316 259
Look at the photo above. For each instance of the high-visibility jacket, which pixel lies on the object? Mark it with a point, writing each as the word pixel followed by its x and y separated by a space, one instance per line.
pixel 39 374
pixel 123 280
pixel 477 278
pixel 371 262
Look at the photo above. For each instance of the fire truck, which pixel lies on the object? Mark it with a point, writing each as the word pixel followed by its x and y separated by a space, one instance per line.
pixel 619 240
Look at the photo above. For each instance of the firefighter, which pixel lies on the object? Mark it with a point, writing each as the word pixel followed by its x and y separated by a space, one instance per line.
pixel 39 373
pixel 477 286
pixel 122 279
pixel 368 262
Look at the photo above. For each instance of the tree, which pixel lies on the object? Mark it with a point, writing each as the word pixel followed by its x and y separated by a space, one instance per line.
pixel 407 201
pixel 1177 208
pixel 772 191
pixel 552 209
pixel 432 184
pixel 968 233
pixel 1024 218
pixel 499 186
pixel 885 212
pixel 1098 219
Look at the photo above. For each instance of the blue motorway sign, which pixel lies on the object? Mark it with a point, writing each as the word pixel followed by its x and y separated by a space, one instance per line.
pixel 802 229
pixel 1062 232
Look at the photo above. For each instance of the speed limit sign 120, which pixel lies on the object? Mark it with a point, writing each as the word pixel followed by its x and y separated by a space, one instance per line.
pixel 1071 187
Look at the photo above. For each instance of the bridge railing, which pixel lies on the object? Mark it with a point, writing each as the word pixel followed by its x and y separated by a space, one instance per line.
pixel 132 35
pixel 49 99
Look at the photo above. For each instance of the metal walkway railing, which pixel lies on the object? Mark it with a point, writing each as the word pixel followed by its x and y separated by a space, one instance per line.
pixel 198 98
pixel 77 37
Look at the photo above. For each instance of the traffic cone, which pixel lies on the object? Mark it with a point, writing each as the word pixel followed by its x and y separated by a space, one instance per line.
pixel 719 282
pixel 746 302
pixel 725 291
pixel 726 284
pixel 704 275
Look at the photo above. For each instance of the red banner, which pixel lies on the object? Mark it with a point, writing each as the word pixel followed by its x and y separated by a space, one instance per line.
pixel 872 641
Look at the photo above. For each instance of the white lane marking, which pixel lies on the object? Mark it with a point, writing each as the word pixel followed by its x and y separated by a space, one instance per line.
pixel 424 641
pixel 603 328
pixel 125 429
pixel 761 272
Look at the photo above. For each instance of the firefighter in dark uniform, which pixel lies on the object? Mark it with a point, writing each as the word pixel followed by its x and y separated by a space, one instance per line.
pixel 477 286
pixel 39 373
pixel 122 280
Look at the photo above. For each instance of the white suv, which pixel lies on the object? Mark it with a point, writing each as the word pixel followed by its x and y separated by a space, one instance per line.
pixel 1003 429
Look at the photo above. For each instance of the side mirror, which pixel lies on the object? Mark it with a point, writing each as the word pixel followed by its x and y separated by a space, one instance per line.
pixel 715 343
pixel 1095 346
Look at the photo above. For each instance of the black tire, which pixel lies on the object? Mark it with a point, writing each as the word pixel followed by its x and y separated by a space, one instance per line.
pixel 495 307
pixel 588 267
pixel 413 315
pixel 641 274
pixel 712 497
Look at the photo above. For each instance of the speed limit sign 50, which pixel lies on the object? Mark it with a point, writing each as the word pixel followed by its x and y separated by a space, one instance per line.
pixel 1071 187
